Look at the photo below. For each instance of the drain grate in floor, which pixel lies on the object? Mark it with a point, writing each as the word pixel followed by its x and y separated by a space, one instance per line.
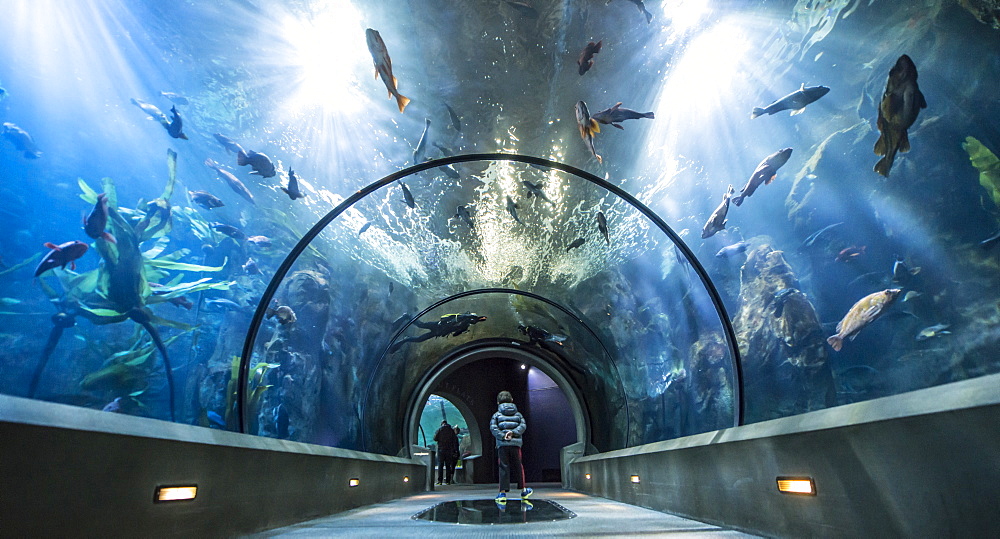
pixel 515 511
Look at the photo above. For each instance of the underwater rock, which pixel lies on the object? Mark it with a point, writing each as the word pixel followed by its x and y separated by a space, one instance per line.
pixel 710 383
pixel 289 409
pixel 987 11
pixel 784 357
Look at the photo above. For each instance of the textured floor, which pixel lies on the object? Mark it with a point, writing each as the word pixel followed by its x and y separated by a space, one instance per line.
pixel 596 517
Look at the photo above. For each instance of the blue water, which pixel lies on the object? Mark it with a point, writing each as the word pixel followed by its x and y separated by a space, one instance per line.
pixel 294 80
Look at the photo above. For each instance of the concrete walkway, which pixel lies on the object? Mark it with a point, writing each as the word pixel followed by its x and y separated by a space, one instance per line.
pixel 596 517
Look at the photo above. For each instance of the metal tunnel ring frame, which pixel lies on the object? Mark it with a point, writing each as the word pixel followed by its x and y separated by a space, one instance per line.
pixel 296 251
pixel 573 316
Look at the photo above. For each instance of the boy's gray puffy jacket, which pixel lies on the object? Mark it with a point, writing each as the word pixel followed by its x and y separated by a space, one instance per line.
pixel 506 419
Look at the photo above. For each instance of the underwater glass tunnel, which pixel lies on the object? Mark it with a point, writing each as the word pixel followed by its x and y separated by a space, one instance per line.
pixel 271 245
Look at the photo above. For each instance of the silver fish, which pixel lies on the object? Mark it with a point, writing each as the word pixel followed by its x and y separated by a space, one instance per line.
pixel 765 173
pixel 795 101
pixel 419 153
pixel 617 114
pixel 234 183
pixel 717 221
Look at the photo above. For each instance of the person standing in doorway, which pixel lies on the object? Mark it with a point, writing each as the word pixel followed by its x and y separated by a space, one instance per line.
pixel 447 448
pixel 508 426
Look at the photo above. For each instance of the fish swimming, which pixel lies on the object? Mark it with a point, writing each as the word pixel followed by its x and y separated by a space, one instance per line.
pixel 617 114
pixel 911 295
pixel 809 241
pixel 260 241
pixel 175 98
pixel 850 253
pixel 535 190
pixel 95 223
pixel 717 221
pixel 586 60
pixel 383 66
pixel 732 250
pixel 901 273
pixel 229 230
pixel 181 301
pixel 407 195
pixel 250 267
pixel 364 227
pixel 284 314
pixel 419 153
pixel 221 304
pixel 455 122
pixel 152 110
pixel 864 312
pixel 60 255
pixel 229 144
pixel 523 8
pixel 260 163
pixel 234 183
pixel 602 225
pixel 642 9
pixel 462 213
pixel 205 199
pixel 991 241
pixel 780 297
pixel 445 151
pixel 292 190
pixel 173 127
pixel 176 125
pixel 588 127
pixel 450 172
pixel 576 243
pixel 765 173
pixel 901 102
pixel 512 209
pixel 21 140
pixel 795 101
pixel 933 331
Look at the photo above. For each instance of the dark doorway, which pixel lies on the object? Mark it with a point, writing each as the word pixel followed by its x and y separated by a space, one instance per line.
pixel 543 404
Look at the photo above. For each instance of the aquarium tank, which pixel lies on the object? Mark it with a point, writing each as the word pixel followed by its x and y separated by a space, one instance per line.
pixel 277 217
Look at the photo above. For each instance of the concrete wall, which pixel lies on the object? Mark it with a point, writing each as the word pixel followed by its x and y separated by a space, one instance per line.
pixel 74 472
pixel 921 464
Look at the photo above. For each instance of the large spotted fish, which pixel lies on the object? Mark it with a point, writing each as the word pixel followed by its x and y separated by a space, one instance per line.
pixel 863 312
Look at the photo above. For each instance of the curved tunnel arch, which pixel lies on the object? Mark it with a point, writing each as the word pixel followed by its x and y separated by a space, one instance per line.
pixel 684 256
pixel 478 351
pixel 550 368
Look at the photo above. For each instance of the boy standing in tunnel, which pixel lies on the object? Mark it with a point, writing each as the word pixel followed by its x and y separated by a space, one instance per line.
pixel 508 426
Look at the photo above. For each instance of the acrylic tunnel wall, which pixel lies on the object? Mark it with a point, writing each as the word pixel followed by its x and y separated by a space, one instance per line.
pixel 577 271
pixel 643 342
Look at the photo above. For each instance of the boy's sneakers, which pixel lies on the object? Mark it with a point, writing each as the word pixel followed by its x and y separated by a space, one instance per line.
pixel 501 498
pixel 525 493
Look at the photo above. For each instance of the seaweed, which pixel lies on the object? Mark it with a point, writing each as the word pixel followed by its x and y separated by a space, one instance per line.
pixel 119 289
pixel 988 165
pixel 256 381
pixel 126 370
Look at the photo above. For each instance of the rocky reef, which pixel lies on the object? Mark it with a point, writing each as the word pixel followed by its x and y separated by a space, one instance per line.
pixel 987 11
pixel 781 341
